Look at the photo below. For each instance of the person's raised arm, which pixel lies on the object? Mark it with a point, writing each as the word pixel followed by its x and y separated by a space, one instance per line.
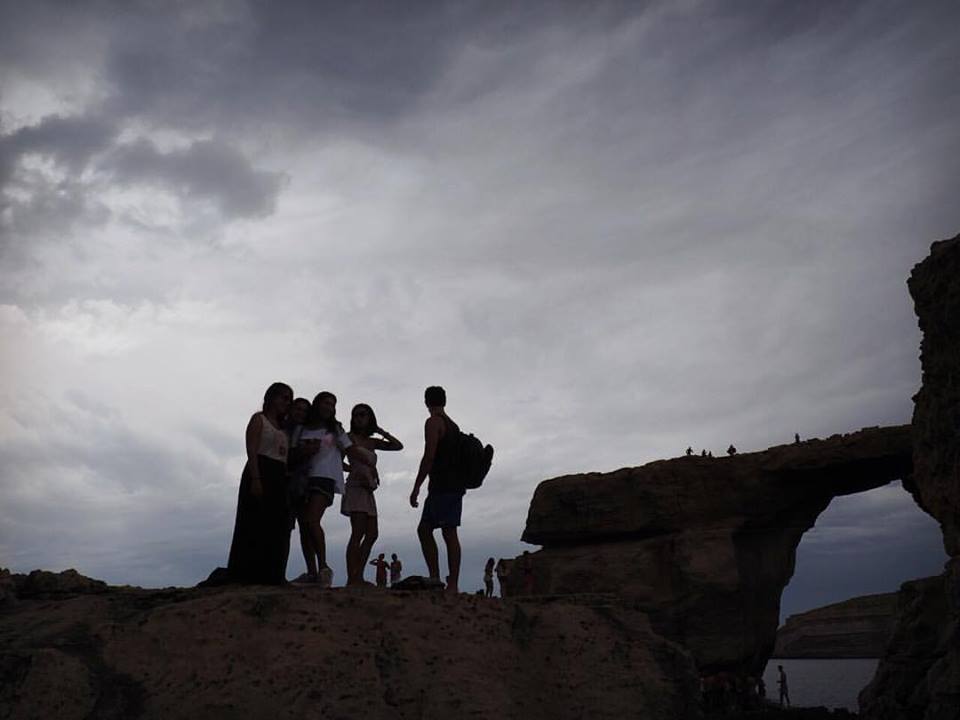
pixel 431 433
pixel 389 442
pixel 254 429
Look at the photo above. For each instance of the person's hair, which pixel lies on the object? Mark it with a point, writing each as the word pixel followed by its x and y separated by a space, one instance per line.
pixel 435 396
pixel 313 417
pixel 371 422
pixel 278 388
pixel 288 423
pixel 490 562
pixel 394 556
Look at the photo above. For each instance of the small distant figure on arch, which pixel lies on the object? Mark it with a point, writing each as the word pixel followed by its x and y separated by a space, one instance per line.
pixel 703 453
pixel 796 438
pixel 689 451
pixel 710 453
pixel 731 450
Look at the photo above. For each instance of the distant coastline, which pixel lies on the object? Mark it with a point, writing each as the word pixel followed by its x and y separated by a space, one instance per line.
pixel 857 628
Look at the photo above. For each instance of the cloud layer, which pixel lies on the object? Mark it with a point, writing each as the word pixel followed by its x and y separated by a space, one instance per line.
pixel 610 231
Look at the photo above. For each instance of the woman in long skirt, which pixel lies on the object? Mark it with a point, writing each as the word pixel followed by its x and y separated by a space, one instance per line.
pixel 261 533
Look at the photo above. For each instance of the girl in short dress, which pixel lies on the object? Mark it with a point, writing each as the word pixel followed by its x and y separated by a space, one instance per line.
pixel 358 502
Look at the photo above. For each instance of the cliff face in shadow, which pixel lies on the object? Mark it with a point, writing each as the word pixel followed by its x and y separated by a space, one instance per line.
pixel 855 628
pixel 704 546
pixel 919 677
pixel 74 648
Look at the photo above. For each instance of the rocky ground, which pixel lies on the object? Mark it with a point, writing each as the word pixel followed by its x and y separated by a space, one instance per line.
pixel 75 648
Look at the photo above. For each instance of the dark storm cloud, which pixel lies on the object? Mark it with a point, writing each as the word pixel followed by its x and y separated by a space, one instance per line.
pixel 69 141
pixel 206 169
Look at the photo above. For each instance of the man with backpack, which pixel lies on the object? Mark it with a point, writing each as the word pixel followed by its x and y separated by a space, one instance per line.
pixel 453 463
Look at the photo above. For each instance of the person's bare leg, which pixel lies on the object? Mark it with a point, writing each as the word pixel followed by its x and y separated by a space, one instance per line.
pixel 430 553
pixel 453 558
pixel 369 538
pixel 306 545
pixel 355 566
pixel 315 509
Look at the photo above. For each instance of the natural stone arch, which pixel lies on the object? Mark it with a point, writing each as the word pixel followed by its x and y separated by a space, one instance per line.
pixel 710 543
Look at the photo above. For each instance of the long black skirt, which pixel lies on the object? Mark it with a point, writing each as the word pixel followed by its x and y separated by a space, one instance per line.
pixel 261 533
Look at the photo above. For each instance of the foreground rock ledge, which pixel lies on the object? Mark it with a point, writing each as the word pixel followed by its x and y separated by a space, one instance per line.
pixel 258 652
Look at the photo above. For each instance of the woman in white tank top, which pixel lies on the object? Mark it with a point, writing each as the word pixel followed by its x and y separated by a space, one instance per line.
pixel 261 533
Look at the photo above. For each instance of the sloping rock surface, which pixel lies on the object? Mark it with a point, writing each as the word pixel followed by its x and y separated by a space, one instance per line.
pixel 855 628
pixel 258 652
pixel 704 545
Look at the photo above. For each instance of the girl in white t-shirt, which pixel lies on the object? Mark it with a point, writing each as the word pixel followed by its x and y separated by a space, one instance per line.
pixel 320 446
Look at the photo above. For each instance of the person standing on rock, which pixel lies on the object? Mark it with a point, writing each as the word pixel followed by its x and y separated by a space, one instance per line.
pixel 444 504
pixel 396 569
pixel 488 578
pixel 261 532
pixel 323 443
pixel 358 502
pixel 381 566
pixel 782 682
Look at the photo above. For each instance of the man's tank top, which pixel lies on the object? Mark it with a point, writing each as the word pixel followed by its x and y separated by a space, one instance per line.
pixel 442 475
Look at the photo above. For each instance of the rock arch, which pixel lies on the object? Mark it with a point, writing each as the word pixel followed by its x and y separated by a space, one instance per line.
pixel 703 546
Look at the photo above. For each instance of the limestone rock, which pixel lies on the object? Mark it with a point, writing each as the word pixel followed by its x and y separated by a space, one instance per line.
pixel 267 652
pixel 41 583
pixel 919 677
pixel 935 287
pixel 704 546
pixel 856 628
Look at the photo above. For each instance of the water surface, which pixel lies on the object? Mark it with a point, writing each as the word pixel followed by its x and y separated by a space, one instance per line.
pixel 831 683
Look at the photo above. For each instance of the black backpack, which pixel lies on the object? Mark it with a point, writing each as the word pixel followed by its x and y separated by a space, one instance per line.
pixel 472 461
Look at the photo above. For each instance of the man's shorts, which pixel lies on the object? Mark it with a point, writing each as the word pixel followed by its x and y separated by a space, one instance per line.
pixel 324 487
pixel 442 510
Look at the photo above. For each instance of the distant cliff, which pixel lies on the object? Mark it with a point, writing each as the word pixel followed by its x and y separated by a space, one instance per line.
pixel 855 628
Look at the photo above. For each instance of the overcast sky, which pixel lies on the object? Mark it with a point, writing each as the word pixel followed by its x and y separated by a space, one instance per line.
pixel 609 229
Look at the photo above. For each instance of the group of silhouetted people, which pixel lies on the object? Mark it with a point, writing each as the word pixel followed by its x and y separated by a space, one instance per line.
pixel 727 692
pixel 297 454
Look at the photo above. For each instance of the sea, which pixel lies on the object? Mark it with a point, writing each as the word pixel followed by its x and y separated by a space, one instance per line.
pixel 827 683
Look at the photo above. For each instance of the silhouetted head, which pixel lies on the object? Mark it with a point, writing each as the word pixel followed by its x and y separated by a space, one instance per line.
pixel 277 398
pixel 490 562
pixel 435 397
pixel 363 421
pixel 394 556
pixel 299 410
pixel 323 411
pixel 779 667
pixel 380 556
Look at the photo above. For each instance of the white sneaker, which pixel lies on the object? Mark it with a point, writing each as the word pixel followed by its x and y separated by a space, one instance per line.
pixel 326 577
